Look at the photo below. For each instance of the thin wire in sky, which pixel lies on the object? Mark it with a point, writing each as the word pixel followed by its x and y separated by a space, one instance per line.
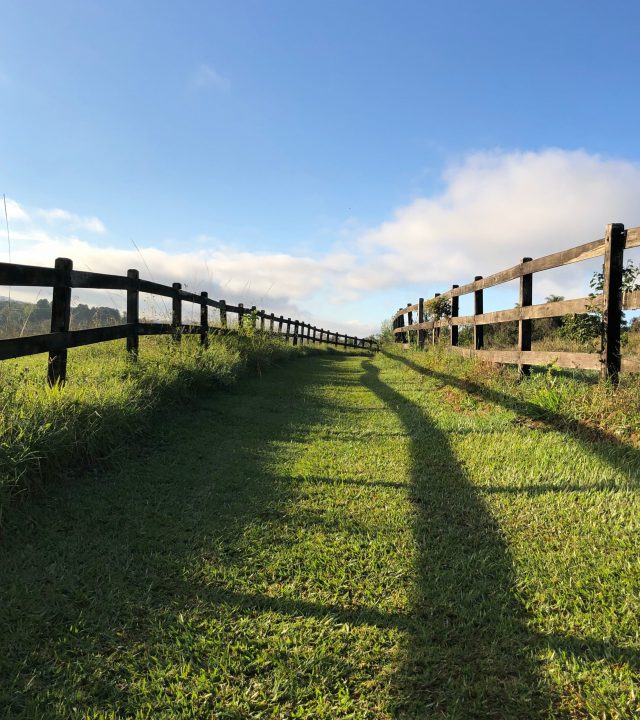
pixel 6 220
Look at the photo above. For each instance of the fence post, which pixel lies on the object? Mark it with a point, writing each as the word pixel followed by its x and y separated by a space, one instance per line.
pixel 295 332
pixel 421 333
pixel 614 242
pixel 272 319
pixel 60 317
pixel 335 339
pixel 176 315
pixel 204 320
pixel 455 309
pixel 240 315
pixel 478 309
pixel 254 316
pixel 288 328
pixel 401 335
pixel 435 332
pixel 133 313
pixel 409 333
pixel 280 323
pixel 223 313
pixel 524 326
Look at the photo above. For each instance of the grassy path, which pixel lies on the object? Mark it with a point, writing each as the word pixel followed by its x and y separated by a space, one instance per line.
pixel 346 537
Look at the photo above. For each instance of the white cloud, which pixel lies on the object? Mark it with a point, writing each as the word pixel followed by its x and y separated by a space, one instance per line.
pixel 15 211
pixel 496 208
pixel 73 221
pixel 206 76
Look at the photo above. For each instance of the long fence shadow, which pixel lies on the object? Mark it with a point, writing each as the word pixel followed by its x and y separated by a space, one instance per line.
pixel 472 530
pixel 469 652
pixel 105 583
pixel 606 446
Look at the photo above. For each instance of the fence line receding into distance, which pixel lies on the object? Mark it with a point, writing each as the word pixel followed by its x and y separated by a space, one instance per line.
pixel 62 278
pixel 610 303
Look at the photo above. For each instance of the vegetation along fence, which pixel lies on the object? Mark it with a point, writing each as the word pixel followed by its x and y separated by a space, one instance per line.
pixel 609 305
pixel 62 278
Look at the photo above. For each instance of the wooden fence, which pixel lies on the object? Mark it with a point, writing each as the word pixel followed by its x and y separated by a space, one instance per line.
pixel 62 278
pixel 610 303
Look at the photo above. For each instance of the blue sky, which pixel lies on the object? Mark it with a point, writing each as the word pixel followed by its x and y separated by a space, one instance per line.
pixel 325 158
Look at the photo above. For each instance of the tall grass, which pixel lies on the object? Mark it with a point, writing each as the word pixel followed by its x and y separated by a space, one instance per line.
pixel 573 399
pixel 108 401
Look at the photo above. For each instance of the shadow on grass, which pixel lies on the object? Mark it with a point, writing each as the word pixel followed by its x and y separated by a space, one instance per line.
pixel 606 446
pixel 469 653
pixel 455 504
pixel 97 577
pixel 150 593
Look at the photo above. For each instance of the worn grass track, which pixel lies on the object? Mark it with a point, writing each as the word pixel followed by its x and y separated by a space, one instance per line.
pixel 347 537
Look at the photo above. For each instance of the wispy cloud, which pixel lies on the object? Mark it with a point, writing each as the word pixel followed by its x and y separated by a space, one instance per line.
pixel 76 222
pixel 15 211
pixel 206 76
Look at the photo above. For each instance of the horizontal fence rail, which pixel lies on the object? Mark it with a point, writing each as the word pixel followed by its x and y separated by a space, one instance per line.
pixel 63 278
pixel 610 304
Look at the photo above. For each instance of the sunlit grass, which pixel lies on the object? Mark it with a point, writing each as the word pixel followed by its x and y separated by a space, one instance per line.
pixel 413 535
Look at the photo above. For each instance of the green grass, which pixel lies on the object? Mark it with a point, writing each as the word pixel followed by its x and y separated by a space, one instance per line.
pixel 405 536
pixel 108 402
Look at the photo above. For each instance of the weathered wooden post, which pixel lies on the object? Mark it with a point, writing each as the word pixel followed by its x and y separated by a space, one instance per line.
pixel 204 320
pixel 262 320
pixel 409 335
pixel 478 309
pixel 254 316
pixel 240 315
pixel 272 319
pixel 301 333
pixel 295 332
pixel 614 242
pixel 223 313
pixel 524 326
pixel 280 323
pixel 455 310
pixel 60 317
pixel 176 314
pixel 288 328
pixel 435 332
pixel 335 339
pixel 133 312
pixel 401 335
pixel 421 333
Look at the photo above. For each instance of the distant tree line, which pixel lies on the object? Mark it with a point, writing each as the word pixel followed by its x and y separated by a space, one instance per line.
pixel 22 318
